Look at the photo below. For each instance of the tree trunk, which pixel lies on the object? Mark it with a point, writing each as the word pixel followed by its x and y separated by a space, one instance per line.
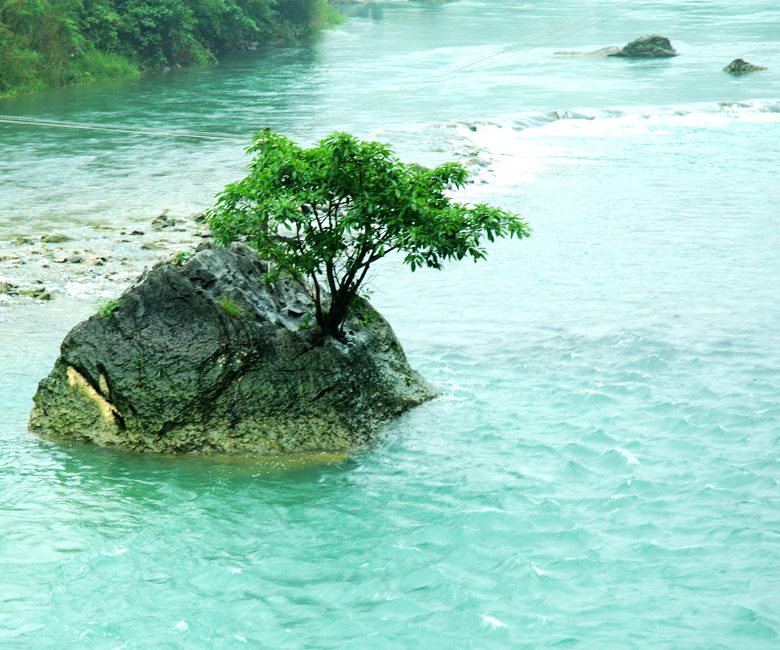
pixel 332 320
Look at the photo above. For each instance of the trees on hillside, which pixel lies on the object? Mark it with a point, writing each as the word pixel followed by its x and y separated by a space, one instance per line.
pixel 59 42
pixel 324 215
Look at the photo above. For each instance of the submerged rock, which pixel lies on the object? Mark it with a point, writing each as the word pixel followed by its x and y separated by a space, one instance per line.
pixel 207 357
pixel 603 51
pixel 647 47
pixel 740 66
pixel 13 290
pixel 163 221
pixel 55 239
pixel 153 246
pixel 39 293
pixel 23 241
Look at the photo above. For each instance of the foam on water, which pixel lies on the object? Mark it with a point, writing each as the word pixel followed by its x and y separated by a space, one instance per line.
pixel 516 149
pixel 493 622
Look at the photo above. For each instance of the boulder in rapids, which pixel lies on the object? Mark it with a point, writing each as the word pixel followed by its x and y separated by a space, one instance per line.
pixel 650 46
pixel 740 66
pixel 205 356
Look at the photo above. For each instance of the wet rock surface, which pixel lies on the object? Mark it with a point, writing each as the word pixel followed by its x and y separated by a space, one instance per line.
pixel 204 356
pixel 650 46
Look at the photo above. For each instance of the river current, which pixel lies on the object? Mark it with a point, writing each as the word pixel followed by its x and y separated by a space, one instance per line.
pixel 602 470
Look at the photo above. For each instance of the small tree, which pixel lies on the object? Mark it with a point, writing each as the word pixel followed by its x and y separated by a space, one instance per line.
pixel 325 215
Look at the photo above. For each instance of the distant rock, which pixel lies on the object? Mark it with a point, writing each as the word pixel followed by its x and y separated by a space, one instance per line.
pixel 54 239
pixel 38 292
pixel 163 221
pixel 205 356
pixel 740 66
pixel 8 288
pixel 647 47
pixel 23 241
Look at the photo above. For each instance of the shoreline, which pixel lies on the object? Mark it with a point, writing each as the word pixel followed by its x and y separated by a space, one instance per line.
pixel 100 263
pixel 90 61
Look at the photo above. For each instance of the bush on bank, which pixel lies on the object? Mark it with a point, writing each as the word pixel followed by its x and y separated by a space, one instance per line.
pixel 46 43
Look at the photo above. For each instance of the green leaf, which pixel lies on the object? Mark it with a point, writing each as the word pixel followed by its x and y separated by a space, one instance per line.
pixel 329 212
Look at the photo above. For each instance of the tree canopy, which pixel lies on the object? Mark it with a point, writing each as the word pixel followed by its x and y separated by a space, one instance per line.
pixel 324 215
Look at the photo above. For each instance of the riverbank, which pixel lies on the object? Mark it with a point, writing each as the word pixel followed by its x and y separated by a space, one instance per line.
pixel 95 262
pixel 98 255
pixel 44 46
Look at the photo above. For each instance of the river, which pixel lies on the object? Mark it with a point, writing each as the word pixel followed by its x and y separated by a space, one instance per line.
pixel 602 470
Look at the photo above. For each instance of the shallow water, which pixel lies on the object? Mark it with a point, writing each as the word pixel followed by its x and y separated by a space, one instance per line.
pixel 602 469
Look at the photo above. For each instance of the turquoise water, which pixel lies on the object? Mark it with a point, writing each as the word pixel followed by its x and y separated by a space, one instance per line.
pixel 602 469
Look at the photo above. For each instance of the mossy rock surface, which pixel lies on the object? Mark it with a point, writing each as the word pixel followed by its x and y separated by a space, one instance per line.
pixel 170 369
pixel 650 46
pixel 740 66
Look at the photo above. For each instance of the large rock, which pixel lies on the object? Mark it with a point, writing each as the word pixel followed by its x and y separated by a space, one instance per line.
pixel 647 47
pixel 740 66
pixel 207 357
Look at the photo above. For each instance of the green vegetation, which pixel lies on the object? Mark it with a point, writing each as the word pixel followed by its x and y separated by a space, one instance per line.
pixel 182 256
pixel 231 308
pixel 59 42
pixel 324 215
pixel 107 308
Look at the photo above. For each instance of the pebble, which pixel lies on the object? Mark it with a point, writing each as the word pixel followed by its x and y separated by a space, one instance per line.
pixel 105 257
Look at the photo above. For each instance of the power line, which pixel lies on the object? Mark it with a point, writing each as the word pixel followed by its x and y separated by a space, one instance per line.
pixel 509 50
pixel 206 135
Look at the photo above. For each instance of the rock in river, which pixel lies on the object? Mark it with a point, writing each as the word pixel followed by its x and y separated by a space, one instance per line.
pixel 205 356
pixel 647 47
pixel 740 66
